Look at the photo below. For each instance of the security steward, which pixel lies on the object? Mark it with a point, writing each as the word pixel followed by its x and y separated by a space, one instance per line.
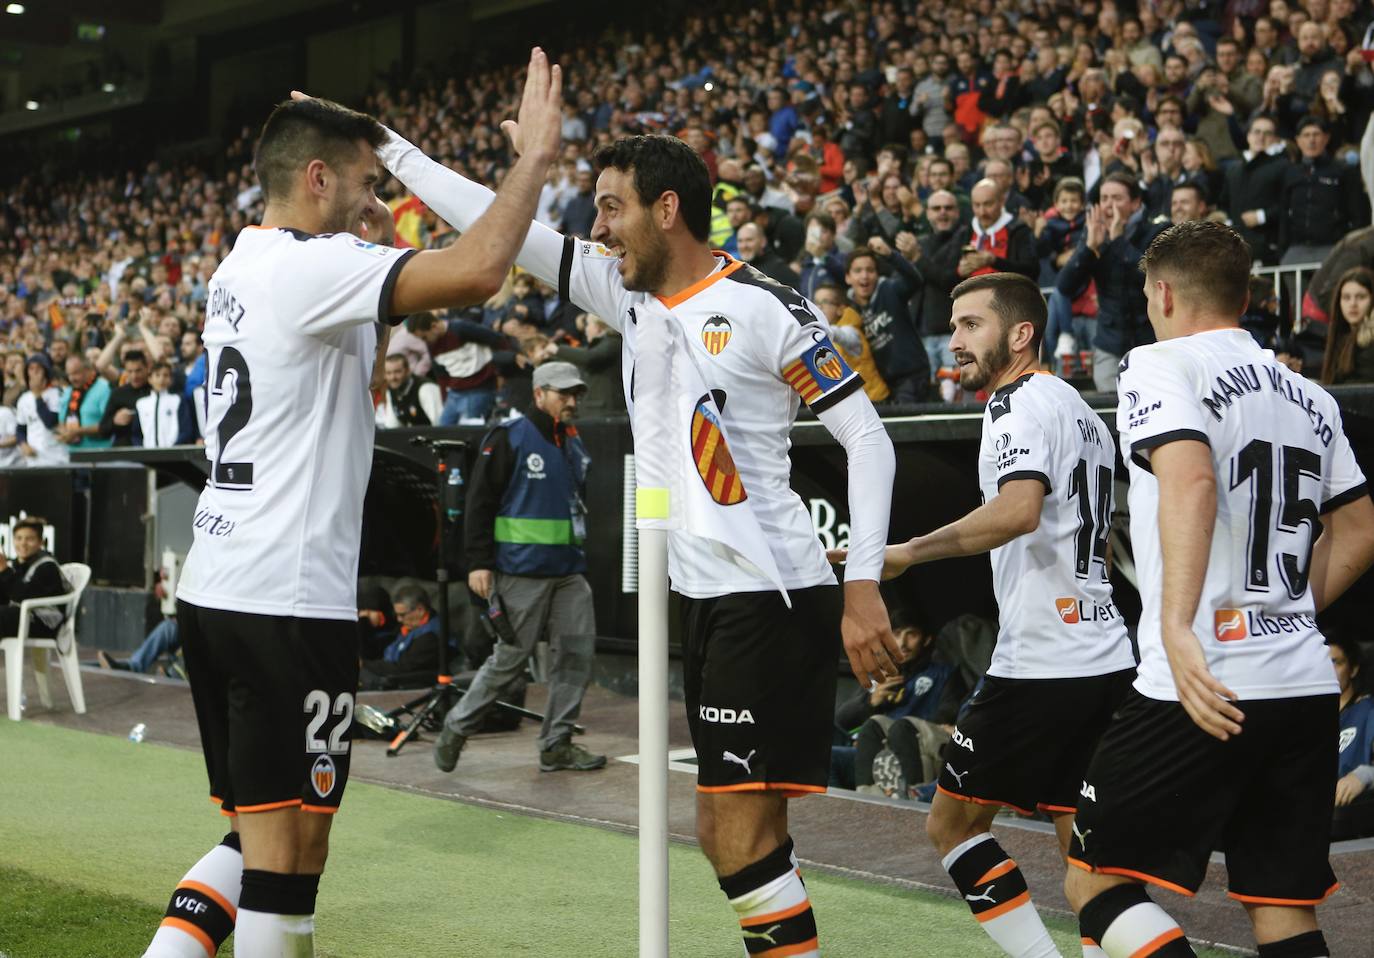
pixel 525 525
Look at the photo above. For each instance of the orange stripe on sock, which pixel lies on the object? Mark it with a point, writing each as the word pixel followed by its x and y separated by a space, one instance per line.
pixel 801 948
pixel 997 871
pixel 1173 934
pixel 774 916
pixel 181 924
pixel 213 895
pixel 1006 906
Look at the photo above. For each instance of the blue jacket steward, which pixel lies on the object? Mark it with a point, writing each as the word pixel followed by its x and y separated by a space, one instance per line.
pixel 525 513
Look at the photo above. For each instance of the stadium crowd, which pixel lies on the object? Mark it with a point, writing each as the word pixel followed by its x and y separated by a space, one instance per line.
pixel 873 155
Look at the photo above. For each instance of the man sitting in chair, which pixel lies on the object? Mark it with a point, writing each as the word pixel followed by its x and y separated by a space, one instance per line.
pixel 413 653
pixel 35 574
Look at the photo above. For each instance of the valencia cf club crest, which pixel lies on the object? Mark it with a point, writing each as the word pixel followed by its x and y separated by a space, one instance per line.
pixel 714 463
pixel 828 364
pixel 322 776
pixel 715 334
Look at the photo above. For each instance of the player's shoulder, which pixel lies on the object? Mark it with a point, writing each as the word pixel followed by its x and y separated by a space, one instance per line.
pixel 767 295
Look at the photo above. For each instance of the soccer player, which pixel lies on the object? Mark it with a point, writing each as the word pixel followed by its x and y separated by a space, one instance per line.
pixel 760 683
pixel 1062 660
pixel 267 600
pixel 1249 516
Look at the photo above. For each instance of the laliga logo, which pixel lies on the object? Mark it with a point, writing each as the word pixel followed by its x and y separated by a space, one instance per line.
pixel 1068 610
pixel 535 464
pixel 1229 625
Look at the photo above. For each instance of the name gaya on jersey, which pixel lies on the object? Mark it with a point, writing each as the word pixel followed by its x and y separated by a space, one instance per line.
pixel 761 349
pixel 1282 460
pixel 1057 618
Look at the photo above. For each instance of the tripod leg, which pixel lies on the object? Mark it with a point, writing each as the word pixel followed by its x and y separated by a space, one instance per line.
pixel 437 701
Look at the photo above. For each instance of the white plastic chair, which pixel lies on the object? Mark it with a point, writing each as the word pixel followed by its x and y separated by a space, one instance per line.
pixel 77 574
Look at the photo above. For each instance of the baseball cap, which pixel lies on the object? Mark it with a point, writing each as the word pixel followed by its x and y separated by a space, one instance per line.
pixel 560 376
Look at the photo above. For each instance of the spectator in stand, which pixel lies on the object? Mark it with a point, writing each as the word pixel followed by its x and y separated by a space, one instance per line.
pixel 847 332
pixel 1115 237
pixel 738 211
pixel 1252 189
pixel 752 247
pixel 821 262
pixel 1349 353
pixel 580 212
pixel 121 417
pixel 882 302
pixel 36 414
pixel 1314 60
pixel 929 108
pixel 1188 202
pixel 463 367
pixel 404 342
pixel 10 456
pixel 858 124
pixel 1071 323
pixel 939 259
pixel 1162 170
pixel 164 417
pixel 599 362
pixel 1354 815
pixel 408 399
pixel 83 405
pixel 15 380
pixel 898 113
pixel 1321 199
pixel 995 241
pixel 964 92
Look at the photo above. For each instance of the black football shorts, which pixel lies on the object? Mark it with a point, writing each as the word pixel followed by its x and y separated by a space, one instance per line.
pixel 759 680
pixel 1024 743
pixel 1161 794
pixel 274 701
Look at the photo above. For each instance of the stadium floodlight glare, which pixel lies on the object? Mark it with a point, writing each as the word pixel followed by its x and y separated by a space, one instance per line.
pixel 107 87
pixel 17 9
pixel 30 104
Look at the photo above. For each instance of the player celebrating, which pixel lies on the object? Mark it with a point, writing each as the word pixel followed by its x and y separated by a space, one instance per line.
pixel 763 348
pixel 1062 660
pixel 267 600
pixel 1248 516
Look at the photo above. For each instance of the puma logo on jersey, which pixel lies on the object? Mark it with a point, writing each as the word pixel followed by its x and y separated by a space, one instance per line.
pixel 958 776
pixel 718 716
pixel 962 740
pixel 743 762
pixel 1081 836
pixel 985 896
pixel 765 935
pixel 1089 792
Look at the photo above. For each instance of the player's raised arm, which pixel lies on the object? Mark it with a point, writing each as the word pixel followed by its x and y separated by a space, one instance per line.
pixel 473 268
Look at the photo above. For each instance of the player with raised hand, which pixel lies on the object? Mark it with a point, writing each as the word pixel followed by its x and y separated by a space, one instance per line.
pixel 1062 660
pixel 267 599
pixel 760 679
pixel 1249 516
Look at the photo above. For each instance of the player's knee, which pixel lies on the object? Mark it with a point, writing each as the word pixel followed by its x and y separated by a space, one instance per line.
pixel 1080 888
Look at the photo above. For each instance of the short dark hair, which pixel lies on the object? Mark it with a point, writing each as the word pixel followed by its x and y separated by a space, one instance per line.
pixel 858 253
pixel 1207 262
pixel 663 164
pixel 420 322
pixel 1267 117
pixel 398 357
pixel 36 523
pixel 1354 656
pixel 160 364
pixel 1311 120
pixel 1171 99
pixel 1015 299
pixel 412 597
pixel 135 356
pixel 1197 187
pixel 824 220
pixel 1124 179
pixel 299 131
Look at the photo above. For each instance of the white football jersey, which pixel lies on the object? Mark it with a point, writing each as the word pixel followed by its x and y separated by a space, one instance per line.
pixel 762 349
pixel 48 449
pixel 9 455
pixel 1281 460
pixel 290 335
pixel 159 419
pixel 1056 615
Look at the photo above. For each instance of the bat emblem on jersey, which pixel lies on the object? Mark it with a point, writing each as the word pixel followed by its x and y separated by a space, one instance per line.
pixel 715 334
pixel 714 463
pixel 828 364
pixel 1229 625
pixel 322 776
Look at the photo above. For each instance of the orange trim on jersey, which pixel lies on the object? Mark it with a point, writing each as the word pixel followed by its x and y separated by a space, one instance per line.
pixel 319 809
pixel 1087 941
pixel 213 895
pixel 1150 947
pixel 790 788
pixel 181 924
pixel 1128 873
pixel 270 806
pixel 677 299
pixel 773 916
pixel 1285 902
pixel 996 871
pixel 1006 906
pixel 982 801
pixel 801 948
pixel 1064 809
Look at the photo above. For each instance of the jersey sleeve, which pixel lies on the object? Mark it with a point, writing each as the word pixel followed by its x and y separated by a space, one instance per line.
pixel 805 358
pixel 1343 482
pixel 338 281
pixel 589 277
pixel 1157 404
pixel 1020 444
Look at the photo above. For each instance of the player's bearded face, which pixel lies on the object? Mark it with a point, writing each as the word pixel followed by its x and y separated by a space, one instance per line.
pixel 981 358
pixel 625 226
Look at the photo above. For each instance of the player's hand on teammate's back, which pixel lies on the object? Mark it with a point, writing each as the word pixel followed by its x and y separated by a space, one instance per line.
pixel 896 559
pixel 1348 788
pixel 868 639
pixel 538 126
pixel 482 582
pixel 1208 703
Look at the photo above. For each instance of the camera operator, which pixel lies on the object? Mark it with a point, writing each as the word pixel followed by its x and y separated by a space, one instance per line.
pixel 524 529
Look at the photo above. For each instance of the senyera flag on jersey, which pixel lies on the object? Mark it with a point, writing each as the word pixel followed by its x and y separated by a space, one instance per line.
pixel 681 445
